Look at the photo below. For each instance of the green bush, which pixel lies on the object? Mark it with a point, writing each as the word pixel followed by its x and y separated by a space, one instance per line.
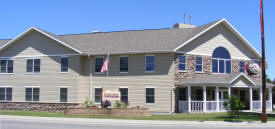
pixel 233 105
pixel 120 104
pixel 87 104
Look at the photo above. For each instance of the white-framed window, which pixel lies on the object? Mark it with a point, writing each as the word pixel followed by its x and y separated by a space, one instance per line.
pixel 123 64
pixel 150 95
pixel 63 94
pixel 33 65
pixel 98 64
pixel 199 64
pixel 150 63
pixel 182 62
pixel 32 93
pixel 6 66
pixel 241 66
pixel 98 92
pixel 221 61
pixel 64 61
pixel 5 93
pixel 124 95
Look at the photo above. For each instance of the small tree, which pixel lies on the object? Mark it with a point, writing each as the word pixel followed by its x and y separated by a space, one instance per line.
pixel 233 105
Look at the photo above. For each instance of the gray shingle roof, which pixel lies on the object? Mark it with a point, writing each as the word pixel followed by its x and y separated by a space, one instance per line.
pixel 3 42
pixel 223 79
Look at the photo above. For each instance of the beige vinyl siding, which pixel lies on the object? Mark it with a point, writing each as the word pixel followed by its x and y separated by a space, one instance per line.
pixel 35 44
pixel 218 36
pixel 242 82
pixel 49 79
pixel 137 80
pixel 84 76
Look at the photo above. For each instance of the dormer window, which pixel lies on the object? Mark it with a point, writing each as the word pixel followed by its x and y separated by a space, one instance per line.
pixel 221 61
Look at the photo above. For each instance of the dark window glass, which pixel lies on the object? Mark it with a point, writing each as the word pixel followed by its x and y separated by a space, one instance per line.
pixel 241 65
pixel 29 65
pixel 124 95
pixel 198 64
pixel 2 94
pixel 28 94
pixel 98 64
pixel 3 66
pixel 199 95
pixel 242 95
pixel 150 95
pixel 35 94
pixel 36 65
pixel 10 66
pixel 150 63
pixel 221 52
pixel 97 95
pixel 182 62
pixel 228 66
pixel 221 66
pixel 64 64
pixel 256 95
pixel 123 64
pixel 182 94
pixel 9 94
pixel 214 66
pixel 63 94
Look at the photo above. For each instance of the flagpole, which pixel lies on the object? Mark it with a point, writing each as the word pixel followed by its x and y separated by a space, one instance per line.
pixel 263 115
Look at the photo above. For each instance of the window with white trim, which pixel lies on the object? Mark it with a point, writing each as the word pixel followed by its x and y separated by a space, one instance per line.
pixel 63 94
pixel 98 95
pixel 124 95
pixel 5 94
pixel 221 61
pixel 32 94
pixel 33 65
pixel 150 95
pixel 182 62
pixel 199 64
pixel 64 61
pixel 98 64
pixel 241 66
pixel 150 63
pixel 6 66
pixel 123 61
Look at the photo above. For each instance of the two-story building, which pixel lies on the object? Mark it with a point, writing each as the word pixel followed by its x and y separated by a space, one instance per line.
pixel 186 68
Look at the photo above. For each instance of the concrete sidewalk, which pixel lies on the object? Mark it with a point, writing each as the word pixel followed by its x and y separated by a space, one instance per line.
pixel 138 122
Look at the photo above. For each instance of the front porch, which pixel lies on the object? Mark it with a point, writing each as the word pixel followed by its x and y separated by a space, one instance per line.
pixel 211 99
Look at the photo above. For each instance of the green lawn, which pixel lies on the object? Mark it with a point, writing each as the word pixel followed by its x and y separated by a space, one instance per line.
pixel 184 117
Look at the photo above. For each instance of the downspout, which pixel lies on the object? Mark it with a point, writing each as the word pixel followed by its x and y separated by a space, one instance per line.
pixel 90 72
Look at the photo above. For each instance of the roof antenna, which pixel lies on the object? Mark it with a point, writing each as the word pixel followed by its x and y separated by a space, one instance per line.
pixel 190 19
pixel 184 18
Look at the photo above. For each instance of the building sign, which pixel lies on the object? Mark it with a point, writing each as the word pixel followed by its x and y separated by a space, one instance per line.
pixel 111 95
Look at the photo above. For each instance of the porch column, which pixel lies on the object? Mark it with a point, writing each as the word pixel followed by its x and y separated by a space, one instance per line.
pixel 261 98
pixel 270 97
pixel 217 99
pixel 229 92
pixel 204 98
pixel 250 96
pixel 189 99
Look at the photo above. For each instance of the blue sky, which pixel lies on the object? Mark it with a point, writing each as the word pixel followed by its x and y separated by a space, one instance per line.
pixel 83 16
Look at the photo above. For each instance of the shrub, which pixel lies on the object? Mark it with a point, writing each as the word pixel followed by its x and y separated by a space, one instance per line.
pixel 233 105
pixel 88 104
pixel 120 104
pixel 106 104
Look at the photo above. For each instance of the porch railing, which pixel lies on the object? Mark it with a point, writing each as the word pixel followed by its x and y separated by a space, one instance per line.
pixel 211 105
pixel 183 106
pixel 256 105
pixel 196 106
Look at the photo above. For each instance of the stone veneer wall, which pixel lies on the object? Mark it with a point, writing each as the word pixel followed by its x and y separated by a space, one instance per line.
pixel 207 67
pixel 36 106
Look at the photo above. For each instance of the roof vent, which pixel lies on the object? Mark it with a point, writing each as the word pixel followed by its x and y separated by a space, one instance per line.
pixel 95 31
pixel 181 25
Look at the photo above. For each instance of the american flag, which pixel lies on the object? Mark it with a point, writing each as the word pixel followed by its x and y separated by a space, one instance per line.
pixel 105 65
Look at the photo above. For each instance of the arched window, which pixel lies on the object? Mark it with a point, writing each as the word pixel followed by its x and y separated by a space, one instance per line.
pixel 221 61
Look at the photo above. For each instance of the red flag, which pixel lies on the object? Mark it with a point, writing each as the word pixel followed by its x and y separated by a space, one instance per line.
pixel 262 19
pixel 105 65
